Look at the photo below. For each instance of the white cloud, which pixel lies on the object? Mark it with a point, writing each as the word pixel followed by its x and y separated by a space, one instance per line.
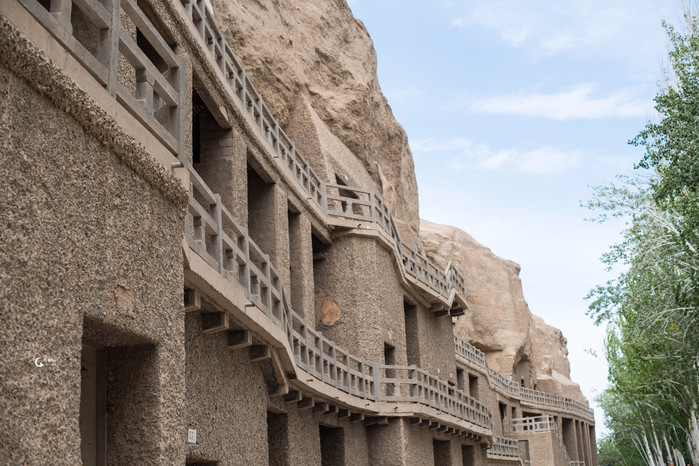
pixel 544 27
pixel 470 156
pixel 577 102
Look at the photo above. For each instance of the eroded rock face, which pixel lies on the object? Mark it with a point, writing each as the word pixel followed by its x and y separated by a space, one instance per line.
pixel 500 322
pixel 312 58
pixel 326 310
pixel 315 66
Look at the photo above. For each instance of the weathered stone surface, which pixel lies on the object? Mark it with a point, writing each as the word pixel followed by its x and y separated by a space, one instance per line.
pixel 302 76
pixel 550 356
pixel 500 322
pixel 327 310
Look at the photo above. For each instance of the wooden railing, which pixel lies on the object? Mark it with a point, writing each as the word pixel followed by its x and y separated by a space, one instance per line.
pixel 233 73
pixel 412 384
pixel 214 234
pixel 544 399
pixel 469 352
pixel 154 93
pixel 505 446
pixel 322 358
pixel 156 98
pixel 365 205
pixel 544 423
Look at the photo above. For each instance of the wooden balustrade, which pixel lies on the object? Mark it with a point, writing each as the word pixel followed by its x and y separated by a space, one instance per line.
pixel 157 95
pixel 157 101
pixel 504 446
pixel 544 399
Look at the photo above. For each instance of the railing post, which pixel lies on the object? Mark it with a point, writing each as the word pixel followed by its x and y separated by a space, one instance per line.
pixel 324 196
pixel 377 381
pixel 144 89
pixel 245 268
pixel 243 84
pixel 305 357
pixel 108 45
pixel 218 244
pixel 321 350
pixel 177 117
pixel 60 10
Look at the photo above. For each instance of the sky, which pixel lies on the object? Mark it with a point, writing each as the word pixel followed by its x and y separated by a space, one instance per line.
pixel 513 110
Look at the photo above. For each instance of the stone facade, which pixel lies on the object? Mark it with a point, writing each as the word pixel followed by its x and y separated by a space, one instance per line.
pixel 180 286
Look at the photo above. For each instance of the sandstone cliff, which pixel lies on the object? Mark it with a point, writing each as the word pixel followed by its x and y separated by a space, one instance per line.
pixel 315 65
pixel 500 323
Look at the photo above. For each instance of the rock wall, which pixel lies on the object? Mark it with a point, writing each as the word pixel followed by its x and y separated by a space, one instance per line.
pixel 315 65
pixel 500 322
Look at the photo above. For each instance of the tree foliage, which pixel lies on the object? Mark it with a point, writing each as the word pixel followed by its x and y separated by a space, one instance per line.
pixel 650 309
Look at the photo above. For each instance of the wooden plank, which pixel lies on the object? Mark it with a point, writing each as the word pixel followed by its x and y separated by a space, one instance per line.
pixel 293 396
pixel 213 322
pixel 306 403
pixel 239 339
pixel 259 353
pixel 192 299
pixel 321 407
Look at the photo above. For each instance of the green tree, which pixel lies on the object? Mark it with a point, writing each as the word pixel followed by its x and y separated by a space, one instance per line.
pixel 650 309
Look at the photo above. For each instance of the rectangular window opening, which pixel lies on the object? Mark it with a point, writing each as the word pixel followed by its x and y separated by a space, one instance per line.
pixel 296 262
pixel 93 406
pixel 119 397
pixel 473 386
pixel 442 452
pixel 460 379
pixel 412 345
pixel 278 438
pixel 468 455
pixel 332 446
pixel 261 213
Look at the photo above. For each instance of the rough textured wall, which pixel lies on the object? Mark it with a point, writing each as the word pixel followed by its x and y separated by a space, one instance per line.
pixel 500 322
pixel 223 389
pixel 82 236
pixel 358 275
pixel 334 78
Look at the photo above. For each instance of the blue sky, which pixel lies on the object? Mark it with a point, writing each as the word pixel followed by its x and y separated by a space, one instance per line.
pixel 513 110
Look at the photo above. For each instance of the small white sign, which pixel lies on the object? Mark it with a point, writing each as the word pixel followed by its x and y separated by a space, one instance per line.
pixel 192 435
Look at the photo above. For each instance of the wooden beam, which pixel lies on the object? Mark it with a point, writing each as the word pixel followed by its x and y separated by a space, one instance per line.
pixel 343 413
pixel 239 339
pixel 306 403
pixel 356 417
pixel 293 396
pixel 192 299
pixel 321 407
pixel 259 353
pixel 457 311
pixel 333 409
pixel 376 421
pixel 212 322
